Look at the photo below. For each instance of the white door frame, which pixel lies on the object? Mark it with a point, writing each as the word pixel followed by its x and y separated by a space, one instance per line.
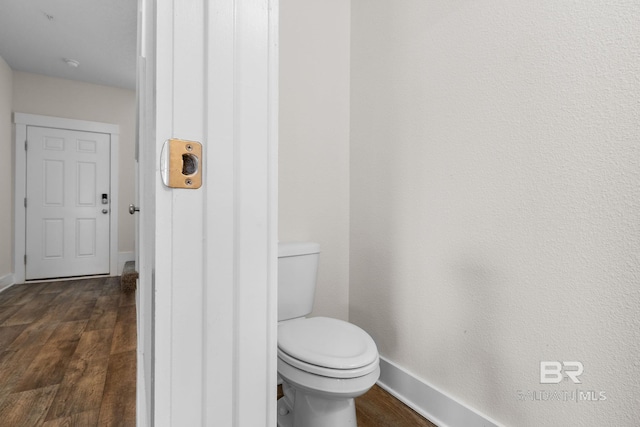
pixel 211 288
pixel 145 221
pixel 23 120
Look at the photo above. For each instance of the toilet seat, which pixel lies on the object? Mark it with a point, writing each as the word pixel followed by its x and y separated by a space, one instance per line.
pixel 328 372
pixel 327 347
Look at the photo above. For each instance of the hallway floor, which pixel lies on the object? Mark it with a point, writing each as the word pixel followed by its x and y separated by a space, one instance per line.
pixel 68 358
pixel 68 354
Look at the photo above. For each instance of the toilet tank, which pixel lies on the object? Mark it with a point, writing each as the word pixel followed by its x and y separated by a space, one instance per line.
pixel 297 273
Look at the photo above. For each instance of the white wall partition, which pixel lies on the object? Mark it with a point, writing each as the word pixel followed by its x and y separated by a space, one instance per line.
pixel 314 140
pixel 495 197
pixel 212 279
pixel 6 175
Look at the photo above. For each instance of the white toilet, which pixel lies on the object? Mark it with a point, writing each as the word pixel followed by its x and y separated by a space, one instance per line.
pixel 323 363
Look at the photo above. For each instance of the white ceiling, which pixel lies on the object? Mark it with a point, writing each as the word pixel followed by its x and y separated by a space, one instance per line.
pixel 37 35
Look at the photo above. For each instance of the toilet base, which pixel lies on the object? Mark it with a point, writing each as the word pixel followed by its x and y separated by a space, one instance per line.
pixel 297 408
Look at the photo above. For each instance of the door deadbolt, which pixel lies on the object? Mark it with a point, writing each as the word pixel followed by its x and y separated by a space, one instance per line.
pixel 181 164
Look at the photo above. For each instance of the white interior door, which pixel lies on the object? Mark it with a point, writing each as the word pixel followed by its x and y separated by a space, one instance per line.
pixel 67 203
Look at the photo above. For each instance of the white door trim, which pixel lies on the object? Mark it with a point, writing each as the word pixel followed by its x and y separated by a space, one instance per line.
pixel 23 120
pixel 213 285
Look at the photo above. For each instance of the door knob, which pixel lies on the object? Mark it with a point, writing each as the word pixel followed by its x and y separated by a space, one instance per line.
pixel 133 209
pixel 105 211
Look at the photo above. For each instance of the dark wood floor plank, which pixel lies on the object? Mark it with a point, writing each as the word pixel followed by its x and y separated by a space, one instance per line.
pixel 55 354
pixel 26 315
pixel 108 302
pixel 79 311
pixel 118 401
pixel 83 384
pixel 66 295
pixel 82 419
pixel 9 333
pixel 107 320
pixel 93 284
pixel 68 331
pixel 13 364
pixel 124 333
pixel 111 286
pixel 8 311
pixel 48 367
pixel 20 294
pixel 94 345
pixel 104 313
pixel 87 294
pixel 377 408
pixel 58 311
pixel 30 311
pixel 10 292
pixel 81 389
pixel 27 408
pixel 34 335
pixel 55 287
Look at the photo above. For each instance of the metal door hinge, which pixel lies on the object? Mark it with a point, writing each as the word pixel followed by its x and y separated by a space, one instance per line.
pixel 25 259
pixel 25 145
pixel 25 202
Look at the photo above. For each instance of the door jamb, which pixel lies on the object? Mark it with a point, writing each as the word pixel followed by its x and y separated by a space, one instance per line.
pixel 23 120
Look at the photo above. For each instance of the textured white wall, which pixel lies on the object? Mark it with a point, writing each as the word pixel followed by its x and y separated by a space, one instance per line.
pixel 6 170
pixel 495 199
pixel 49 96
pixel 314 140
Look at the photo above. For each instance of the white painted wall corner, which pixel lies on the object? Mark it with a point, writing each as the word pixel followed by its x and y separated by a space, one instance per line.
pixel 428 401
pixel 123 258
pixel 7 281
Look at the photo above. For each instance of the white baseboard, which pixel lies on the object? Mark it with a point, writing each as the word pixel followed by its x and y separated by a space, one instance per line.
pixel 123 257
pixel 6 281
pixel 431 403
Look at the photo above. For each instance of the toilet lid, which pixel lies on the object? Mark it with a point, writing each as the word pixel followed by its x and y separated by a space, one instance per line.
pixel 328 343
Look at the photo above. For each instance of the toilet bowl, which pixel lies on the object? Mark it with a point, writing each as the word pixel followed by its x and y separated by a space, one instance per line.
pixel 324 363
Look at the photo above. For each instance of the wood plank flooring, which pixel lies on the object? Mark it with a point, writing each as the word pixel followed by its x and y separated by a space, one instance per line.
pixel 377 408
pixel 68 354
pixel 68 358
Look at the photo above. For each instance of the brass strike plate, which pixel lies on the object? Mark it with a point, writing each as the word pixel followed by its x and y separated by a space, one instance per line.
pixel 181 164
